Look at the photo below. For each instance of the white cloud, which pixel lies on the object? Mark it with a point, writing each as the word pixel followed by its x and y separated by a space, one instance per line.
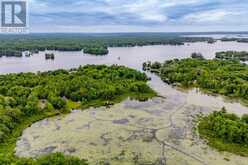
pixel 148 15
pixel 209 16
pixel 147 10
pixel 172 3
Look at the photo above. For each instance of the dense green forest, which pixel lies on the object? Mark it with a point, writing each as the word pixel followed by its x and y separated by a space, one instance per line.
pixel 232 55
pixel 229 78
pixel 226 132
pixel 96 50
pixel 28 97
pixel 13 45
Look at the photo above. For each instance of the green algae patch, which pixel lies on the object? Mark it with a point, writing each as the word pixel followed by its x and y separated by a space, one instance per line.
pixel 93 135
pixel 28 97
pixel 157 131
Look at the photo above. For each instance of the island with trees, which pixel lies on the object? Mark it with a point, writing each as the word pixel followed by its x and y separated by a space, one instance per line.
pixel 224 77
pixel 241 40
pixel 96 50
pixel 96 44
pixel 225 131
pixel 49 56
pixel 29 97
pixel 232 55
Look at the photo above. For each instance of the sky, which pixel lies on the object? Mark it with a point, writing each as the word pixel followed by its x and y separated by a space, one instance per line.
pixel 103 16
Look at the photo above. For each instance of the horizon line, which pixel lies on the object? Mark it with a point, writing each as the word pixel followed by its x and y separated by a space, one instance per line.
pixel 187 32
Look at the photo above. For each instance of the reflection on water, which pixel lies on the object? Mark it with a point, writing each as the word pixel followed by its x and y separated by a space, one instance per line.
pixel 196 97
pixel 152 132
pixel 128 56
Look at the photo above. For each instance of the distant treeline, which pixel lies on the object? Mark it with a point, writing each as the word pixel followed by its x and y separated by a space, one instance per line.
pixel 92 44
pixel 244 40
pixel 10 53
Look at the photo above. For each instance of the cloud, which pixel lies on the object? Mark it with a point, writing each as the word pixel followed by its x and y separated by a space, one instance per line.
pixel 155 15
pixel 209 16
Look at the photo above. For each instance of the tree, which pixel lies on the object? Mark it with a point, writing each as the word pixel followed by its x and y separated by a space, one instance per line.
pixel 59 159
pixel 58 103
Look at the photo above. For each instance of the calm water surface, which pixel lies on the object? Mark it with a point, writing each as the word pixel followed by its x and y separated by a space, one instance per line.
pixel 132 56
pixel 135 128
pixel 219 36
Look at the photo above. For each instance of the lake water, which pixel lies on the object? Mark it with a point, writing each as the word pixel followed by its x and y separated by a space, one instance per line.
pixel 219 36
pixel 131 132
pixel 129 56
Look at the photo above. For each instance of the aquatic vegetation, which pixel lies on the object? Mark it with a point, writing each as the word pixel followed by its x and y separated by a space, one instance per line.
pixel 130 132
pixel 228 78
pixel 226 132
pixel 29 97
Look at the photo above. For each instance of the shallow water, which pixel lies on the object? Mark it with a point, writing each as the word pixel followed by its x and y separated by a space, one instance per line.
pixel 158 131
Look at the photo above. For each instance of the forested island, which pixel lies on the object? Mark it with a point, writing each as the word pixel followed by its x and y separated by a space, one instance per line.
pixel 28 97
pixel 96 44
pixel 96 50
pixel 225 132
pixel 232 55
pixel 49 56
pixel 228 78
